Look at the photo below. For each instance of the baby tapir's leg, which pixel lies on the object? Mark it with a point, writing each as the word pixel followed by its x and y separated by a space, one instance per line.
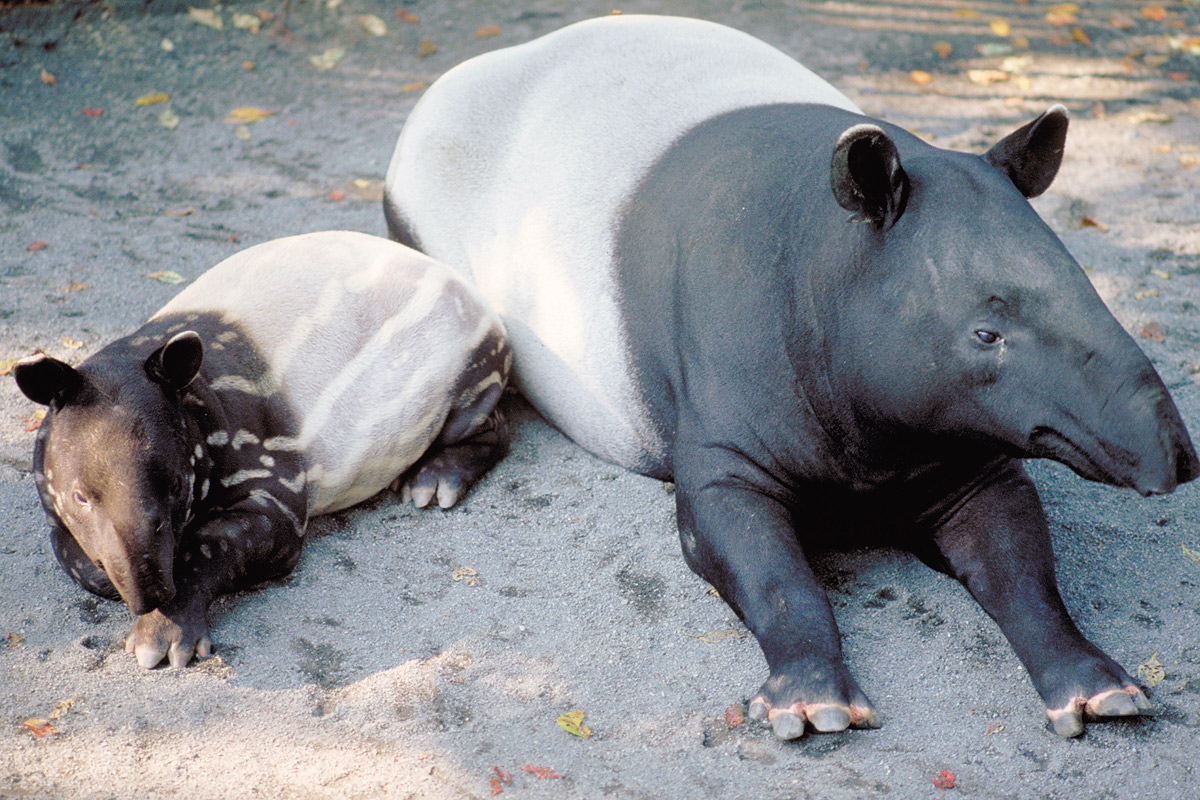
pixel 76 564
pixel 471 442
pixel 256 540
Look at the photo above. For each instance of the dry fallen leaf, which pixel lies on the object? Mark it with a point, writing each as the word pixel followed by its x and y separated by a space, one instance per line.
pixel 242 132
pixel 372 24
pixel 92 112
pixel 1156 13
pixel 500 778
pixel 1190 553
pixel 167 276
pixel 1152 672
pixel 1092 222
pixel 406 16
pixel 1161 273
pixel 541 773
pixel 485 31
pixel 34 421
pixel 166 45
pixel 572 723
pixel 76 286
pixel 168 118
pixel 1154 332
pixel 712 637
pixel 337 195
pixel 943 49
pixel 207 17
pixel 465 574
pixel 984 77
pixel 1138 117
pixel 33 247
pixel 63 707
pixel 74 344
pixel 1080 35
pixel 1144 293
pixel 328 59
pixel 426 47
pixel 966 13
pixel 6 366
pixel 40 727
pixel 151 99
pixel 920 77
pixel 247 22
pixel 247 114
pixel 13 640
pixel 734 716
pixel 1120 20
pixel 48 79
pixel 1000 26
pixel 414 86
pixel 944 780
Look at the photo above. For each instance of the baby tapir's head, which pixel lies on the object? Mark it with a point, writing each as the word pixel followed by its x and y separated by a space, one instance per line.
pixel 113 460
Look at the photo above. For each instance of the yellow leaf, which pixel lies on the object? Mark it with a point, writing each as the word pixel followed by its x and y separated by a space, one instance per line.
pixel 6 366
pixel 166 45
pixel 207 17
pixel 247 114
pixel 920 77
pixel 183 212
pixel 48 79
pixel 1000 26
pixel 426 47
pixel 1080 35
pixel 362 183
pixel 62 708
pixel 572 723
pixel 966 13
pixel 943 49
pixel 166 276
pixel 414 86
pixel 1152 671
pixel 328 59
pixel 983 77
pixel 1191 553
pixel 1161 273
pixel 1019 42
pixel 372 24
pixel 1144 293
pixel 466 575
pixel 152 99
pixel 76 286
pixel 246 22
pixel 485 31
pixel 74 344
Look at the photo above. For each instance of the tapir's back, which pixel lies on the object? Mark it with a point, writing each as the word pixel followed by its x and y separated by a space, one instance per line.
pixel 364 340
pixel 516 166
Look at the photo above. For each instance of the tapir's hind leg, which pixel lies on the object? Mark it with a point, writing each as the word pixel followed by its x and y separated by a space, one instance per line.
pixel 472 441
pixel 998 545
pixel 81 568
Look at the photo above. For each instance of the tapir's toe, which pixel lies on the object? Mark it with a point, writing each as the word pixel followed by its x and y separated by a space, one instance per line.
pixel 790 720
pixel 1127 701
pixel 156 636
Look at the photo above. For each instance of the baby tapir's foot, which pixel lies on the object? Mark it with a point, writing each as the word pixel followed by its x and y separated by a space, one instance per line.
pixel 824 698
pixel 447 473
pixel 1101 689
pixel 178 635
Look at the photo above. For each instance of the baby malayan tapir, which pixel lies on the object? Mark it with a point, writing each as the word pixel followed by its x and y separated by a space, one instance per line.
pixel 295 378
pixel 713 268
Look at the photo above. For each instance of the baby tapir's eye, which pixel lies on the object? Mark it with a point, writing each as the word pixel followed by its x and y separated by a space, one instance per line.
pixel 988 337
pixel 81 498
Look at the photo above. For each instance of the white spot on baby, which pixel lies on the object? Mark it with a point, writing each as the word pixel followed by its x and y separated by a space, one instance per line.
pixel 266 461
pixel 243 437
pixel 218 438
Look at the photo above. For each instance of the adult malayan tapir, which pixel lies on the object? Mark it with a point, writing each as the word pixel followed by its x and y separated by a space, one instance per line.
pixel 295 378
pixel 714 268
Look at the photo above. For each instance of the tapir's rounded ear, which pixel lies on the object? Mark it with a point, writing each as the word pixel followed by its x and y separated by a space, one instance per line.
pixel 176 363
pixel 44 379
pixel 866 175
pixel 1031 155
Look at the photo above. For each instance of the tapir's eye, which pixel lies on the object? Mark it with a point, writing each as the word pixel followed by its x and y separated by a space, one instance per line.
pixel 988 337
pixel 81 498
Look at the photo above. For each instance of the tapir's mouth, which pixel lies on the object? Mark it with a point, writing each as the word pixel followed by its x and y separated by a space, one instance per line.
pixel 1095 463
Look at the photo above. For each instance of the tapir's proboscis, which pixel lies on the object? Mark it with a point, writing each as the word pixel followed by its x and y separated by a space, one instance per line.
pixel 715 269
pixel 295 378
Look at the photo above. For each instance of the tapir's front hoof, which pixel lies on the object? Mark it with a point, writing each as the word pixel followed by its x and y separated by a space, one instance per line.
pixel 156 635
pixel 792 702
pixel 1128 701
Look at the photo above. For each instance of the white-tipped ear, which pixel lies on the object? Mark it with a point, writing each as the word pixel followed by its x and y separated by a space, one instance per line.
pixel 176 363
pixel 866 175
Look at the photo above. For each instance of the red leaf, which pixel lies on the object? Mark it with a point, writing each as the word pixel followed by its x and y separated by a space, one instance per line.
pixel 34 247
pixel 1153 331
pixel 504 776
pixel 337 195
pixel 40 727
pixel 92 112
pixel 944 780
pixel 733 715
pixel 496 787
pixel 541 773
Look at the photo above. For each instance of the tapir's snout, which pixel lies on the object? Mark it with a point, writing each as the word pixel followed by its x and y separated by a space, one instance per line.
pixel 1170 458
pixel 144 579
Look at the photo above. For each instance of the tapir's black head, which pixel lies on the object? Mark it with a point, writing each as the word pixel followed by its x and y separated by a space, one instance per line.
pixel 113 460
pixel 969 320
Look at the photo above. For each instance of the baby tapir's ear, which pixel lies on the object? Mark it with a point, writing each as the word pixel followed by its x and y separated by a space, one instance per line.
pixel 176 363
pixel 866 175
pixel 44 379
pixel 1031 155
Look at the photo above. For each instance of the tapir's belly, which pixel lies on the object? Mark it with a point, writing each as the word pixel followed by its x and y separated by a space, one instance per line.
pixel 516 166
pixel 365 354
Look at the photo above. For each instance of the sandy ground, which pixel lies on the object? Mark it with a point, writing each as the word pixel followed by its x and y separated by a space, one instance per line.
pixel 371 671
